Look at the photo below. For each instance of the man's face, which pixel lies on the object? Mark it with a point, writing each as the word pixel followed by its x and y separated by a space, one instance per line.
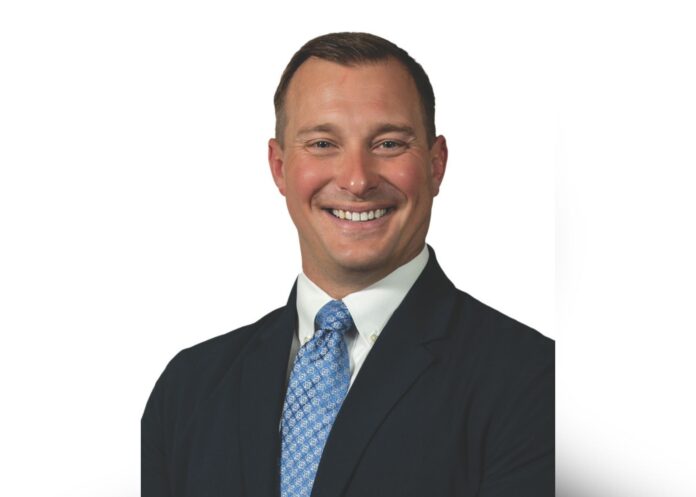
pixel 356 169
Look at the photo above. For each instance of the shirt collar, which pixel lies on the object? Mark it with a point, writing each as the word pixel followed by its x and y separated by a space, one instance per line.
pixel 370 307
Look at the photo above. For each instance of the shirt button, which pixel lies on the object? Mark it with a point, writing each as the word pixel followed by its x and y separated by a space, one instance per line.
pixel 373 337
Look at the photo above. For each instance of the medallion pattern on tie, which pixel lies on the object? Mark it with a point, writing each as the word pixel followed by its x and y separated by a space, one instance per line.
pixel 318 384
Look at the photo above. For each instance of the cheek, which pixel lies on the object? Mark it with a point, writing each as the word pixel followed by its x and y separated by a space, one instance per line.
pixel 410 178
pixel 304 180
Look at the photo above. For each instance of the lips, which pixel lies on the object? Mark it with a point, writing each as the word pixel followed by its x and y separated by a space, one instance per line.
pixel 358 217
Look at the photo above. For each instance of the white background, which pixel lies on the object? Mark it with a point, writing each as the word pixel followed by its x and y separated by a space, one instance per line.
pixel 138 217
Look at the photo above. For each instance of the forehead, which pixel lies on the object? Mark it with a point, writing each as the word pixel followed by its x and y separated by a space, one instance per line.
pixel 322 90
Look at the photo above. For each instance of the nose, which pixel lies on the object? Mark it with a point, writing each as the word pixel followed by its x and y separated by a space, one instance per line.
pixel 357 173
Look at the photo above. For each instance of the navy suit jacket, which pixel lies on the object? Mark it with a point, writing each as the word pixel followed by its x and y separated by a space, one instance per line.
pixel 454 399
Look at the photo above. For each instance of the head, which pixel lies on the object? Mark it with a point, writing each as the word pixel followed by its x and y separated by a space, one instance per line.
pixel 356 156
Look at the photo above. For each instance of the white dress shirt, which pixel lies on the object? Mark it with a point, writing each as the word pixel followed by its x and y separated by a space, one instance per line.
pixel 371 308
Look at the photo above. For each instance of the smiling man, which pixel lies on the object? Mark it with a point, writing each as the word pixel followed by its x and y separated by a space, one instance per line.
pixel 379 377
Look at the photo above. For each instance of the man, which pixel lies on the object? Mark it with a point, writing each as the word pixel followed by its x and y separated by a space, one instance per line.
pixel 379 377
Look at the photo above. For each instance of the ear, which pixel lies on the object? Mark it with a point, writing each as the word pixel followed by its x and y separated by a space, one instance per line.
pixel 438 162
pixel 275 161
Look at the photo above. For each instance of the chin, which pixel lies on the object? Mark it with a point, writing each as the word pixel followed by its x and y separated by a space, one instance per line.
pixel 362 261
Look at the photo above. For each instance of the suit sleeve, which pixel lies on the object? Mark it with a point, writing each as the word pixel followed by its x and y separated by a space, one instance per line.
pixel 154 471
pixel 520 455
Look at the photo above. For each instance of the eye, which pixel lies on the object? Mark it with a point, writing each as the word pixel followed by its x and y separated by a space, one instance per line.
pixel 389 144
pixel 390 147
pixel 321 144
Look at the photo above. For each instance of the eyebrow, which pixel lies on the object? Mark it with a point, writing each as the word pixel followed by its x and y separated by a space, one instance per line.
pixel 319 128
pixel 394 128
pixel 380 129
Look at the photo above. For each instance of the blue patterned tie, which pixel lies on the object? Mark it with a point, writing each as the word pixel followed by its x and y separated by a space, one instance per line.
pixel 318 384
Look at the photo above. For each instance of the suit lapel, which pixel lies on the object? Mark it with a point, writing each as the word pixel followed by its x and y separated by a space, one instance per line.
pixel 261 400
pixel 395 362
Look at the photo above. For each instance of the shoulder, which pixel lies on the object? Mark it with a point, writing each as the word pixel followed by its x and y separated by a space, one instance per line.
pixel 472 327
pixel 191 379
pixel 497 331
pixel 220 351
pixel 512 364
pixel 196 371
pixel 505 359
pixel 468 334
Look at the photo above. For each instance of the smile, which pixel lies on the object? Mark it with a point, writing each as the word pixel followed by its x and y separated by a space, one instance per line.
pixel 359 216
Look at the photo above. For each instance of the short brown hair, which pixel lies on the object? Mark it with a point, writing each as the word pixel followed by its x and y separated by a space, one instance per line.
pixel 350 49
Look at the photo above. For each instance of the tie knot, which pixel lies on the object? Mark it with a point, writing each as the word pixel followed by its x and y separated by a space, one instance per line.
pixel 333 316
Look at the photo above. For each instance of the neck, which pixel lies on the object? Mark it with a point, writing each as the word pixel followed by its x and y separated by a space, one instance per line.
pixel 339 281
pixel 340 285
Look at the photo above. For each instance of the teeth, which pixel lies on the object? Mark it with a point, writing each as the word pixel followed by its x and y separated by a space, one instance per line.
pixel 359 216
